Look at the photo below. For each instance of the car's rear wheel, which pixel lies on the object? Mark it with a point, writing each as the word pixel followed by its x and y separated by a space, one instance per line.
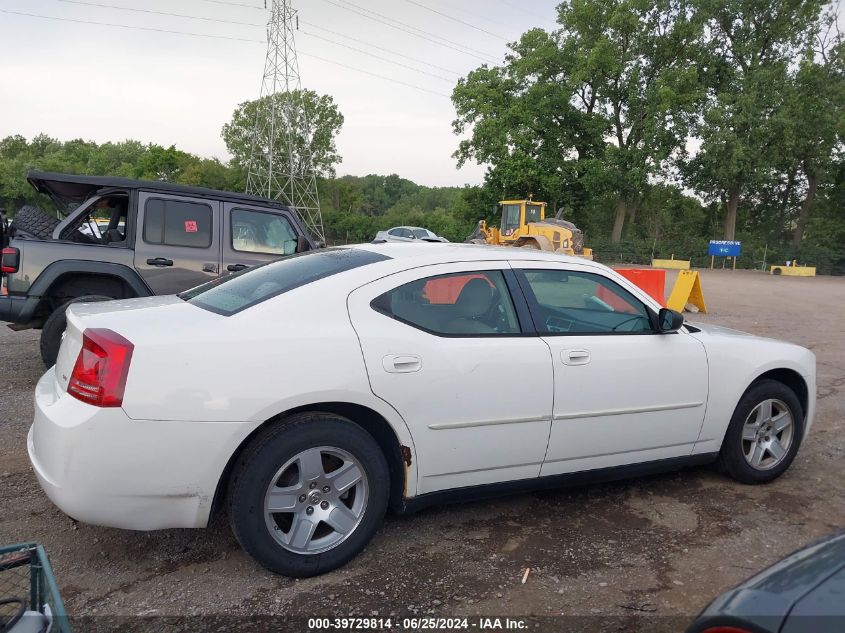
pixel 764 434
pixel 308 494
pixel 54 327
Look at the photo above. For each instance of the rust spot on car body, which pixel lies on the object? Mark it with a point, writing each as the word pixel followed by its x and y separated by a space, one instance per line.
pixel 406 454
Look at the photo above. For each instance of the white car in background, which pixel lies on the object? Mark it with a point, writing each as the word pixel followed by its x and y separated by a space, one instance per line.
pixel 310 394
pixel 408 234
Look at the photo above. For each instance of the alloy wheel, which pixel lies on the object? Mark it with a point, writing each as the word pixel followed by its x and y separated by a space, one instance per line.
pixel 767 434
pixel 316 500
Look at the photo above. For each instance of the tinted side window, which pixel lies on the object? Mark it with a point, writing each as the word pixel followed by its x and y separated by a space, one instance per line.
pixel 177 223
pixel 583 303
pixel 233 293
pixel 260 232
pixel 457 304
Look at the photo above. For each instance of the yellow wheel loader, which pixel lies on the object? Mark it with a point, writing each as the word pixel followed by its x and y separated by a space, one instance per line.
pixel 524 224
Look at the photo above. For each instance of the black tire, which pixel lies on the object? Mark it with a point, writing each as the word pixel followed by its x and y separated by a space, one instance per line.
pixel 269 451
pixel 732 456
pixel 35 221
pixel 54 327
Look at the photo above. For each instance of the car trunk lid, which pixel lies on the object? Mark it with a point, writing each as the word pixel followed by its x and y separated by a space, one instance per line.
pixel 138 320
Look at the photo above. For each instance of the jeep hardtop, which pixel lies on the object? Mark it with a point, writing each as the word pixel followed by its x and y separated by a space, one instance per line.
pixel 121 238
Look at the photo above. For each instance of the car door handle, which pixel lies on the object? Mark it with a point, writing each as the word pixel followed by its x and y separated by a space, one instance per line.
pixel 575 356
pixel 209 268
pixel 159 261
pixel 401 363
pixel 233 268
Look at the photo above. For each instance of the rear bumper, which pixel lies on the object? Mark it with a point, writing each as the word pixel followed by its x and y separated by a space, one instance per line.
pixel 16 309
pixel 101 467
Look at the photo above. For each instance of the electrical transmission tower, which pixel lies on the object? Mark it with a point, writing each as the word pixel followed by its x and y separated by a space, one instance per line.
pixel 281 162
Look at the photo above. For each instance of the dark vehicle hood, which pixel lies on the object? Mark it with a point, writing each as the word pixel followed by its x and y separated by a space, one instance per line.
pixel 67 191
pixel 802 584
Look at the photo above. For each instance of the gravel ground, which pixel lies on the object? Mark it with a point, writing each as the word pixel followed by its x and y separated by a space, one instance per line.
pixel 622 555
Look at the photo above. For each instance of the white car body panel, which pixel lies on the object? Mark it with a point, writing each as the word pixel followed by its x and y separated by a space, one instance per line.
pixel 639 397
pixel 736 360
pixel 479 410
pixel 471 433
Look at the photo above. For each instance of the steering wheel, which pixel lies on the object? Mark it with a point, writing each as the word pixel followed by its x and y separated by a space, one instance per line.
pixel 13 620
pixel 621 323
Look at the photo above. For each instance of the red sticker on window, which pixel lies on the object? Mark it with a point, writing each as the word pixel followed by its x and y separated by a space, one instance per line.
pixel 191 226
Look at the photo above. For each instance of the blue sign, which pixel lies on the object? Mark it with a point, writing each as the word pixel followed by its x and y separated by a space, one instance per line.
pixel 724 248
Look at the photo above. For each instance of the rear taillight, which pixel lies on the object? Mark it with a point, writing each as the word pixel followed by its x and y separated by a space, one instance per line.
pixel 99 375
pixel 11 260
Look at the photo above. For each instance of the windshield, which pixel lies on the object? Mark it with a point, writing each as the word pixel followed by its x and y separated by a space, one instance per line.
pixel 532 213
pixel 420 233
pixel 233 293
pixel 510 218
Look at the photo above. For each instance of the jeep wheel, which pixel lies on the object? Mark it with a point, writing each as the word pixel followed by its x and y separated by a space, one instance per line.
pixel 34 221
pixel 54 327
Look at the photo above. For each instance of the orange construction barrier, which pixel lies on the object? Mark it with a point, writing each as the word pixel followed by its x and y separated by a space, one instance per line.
pixel 651 280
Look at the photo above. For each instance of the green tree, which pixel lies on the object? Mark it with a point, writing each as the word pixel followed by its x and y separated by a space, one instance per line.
pixel 322 116
pixel 746 61
pixel 815 112
pixel 597 106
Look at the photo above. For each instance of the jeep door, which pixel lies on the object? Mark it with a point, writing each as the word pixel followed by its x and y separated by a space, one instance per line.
pixel 178 241
pixel 255 235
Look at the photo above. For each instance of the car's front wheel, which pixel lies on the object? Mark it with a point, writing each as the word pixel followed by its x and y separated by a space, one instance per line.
pixel 308 494
pixel 764 433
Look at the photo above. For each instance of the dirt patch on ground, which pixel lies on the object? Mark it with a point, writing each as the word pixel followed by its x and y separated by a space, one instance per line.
pixel 670 542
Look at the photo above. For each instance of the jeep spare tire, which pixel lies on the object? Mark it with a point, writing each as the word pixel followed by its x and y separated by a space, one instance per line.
pixel 54 327
pixel 35 221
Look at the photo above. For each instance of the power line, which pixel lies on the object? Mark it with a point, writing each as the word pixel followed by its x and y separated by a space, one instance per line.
pixel 236 4
pixel 523 10
pixel 127 26
pixel 475 16
pixel 410 26
pixel 386 50
pixel 389 61
pixel 406 28
pixel 236 39
pixel 458 20
pixel 367 72
pixel 256 24
pixel 150 11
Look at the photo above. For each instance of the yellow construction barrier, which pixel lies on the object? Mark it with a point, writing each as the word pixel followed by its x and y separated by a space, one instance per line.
pixel 794 271
pixel 687 290
pixel 678 264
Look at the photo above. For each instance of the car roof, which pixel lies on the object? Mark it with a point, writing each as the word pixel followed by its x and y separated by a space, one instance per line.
pixel 76 188
pixel 445 252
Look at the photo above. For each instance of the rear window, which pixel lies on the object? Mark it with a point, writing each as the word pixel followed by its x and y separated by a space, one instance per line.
pixel 240 291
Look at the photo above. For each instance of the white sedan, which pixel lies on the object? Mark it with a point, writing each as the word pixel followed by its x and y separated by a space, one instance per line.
pixel 310 394
pixel 408 234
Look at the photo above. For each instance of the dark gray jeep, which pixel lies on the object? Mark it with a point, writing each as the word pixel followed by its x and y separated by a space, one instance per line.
pixel 122 238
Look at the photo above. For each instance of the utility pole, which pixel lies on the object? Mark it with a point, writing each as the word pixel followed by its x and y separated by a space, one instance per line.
pixel 281 164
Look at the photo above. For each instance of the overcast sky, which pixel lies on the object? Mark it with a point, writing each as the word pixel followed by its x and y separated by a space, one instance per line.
pixel 104 83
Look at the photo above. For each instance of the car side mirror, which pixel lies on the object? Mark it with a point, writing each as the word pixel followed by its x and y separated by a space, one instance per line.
pixel 302 244
pixel 669 320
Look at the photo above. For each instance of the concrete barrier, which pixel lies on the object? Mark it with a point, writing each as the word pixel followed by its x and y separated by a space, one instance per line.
pixel 675 264
pixel 794 271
